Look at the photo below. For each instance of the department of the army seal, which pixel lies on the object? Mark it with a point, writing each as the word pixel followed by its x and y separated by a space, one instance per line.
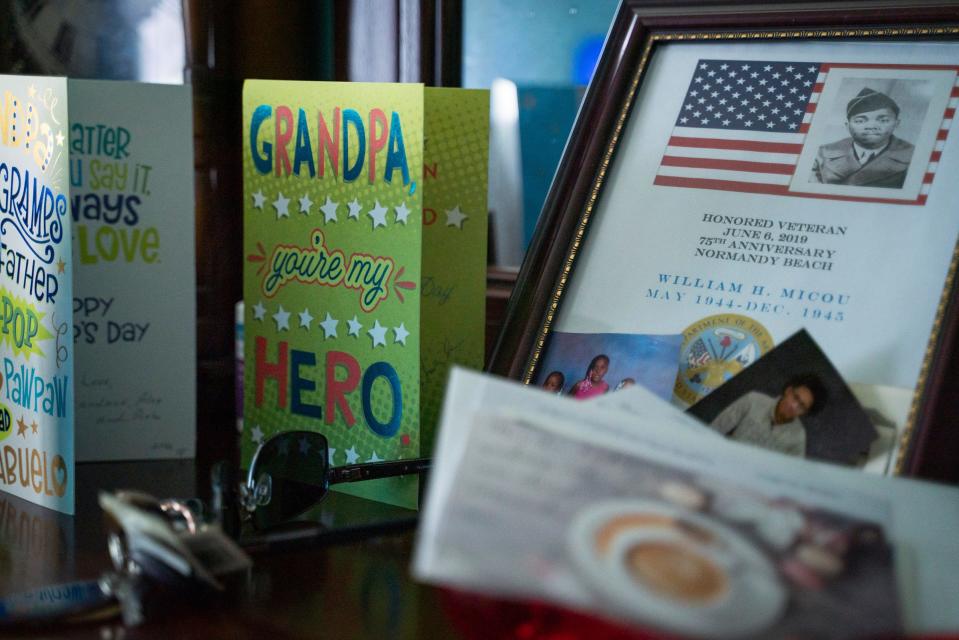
pixel 714 349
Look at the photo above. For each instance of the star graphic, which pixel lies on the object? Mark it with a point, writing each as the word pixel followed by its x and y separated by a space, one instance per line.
pixel 32 91
pixel 61 266
pixel 402 213
pixel 304 445
pixel 355 208
pixel 329 455
pixel 34 426
pixel 281 205
pixel 59 138
pixel 329 326
pixel 259 311
pixel 378 213
pixel 329 210
pixel 306 319
pixel 259 199
pixel 355 327
pixel 22 427
pixel 282 318
pixel 401 333
pixel 351 455
pixel 455 217
pixel 375 458
pixel 305 205
pixel 378 333
pixel 257 435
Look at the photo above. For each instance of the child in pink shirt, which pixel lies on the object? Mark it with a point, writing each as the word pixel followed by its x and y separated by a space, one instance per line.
pixel 593 384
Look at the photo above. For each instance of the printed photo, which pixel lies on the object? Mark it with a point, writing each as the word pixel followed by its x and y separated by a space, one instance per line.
pixel 872 133
pixel 792 400
pixel 871 155
pixel 587 365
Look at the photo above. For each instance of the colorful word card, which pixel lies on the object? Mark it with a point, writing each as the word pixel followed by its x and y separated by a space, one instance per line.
pixel 134 304
pixel 36 293
pixel 364 264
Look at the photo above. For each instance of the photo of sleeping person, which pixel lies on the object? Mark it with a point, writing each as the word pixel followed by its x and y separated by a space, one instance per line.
pixel 774 422
pixel 792 400
pixel 590 365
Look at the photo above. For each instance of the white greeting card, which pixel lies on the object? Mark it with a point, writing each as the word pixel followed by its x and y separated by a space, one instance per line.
pixel 134 303
pixel 36 349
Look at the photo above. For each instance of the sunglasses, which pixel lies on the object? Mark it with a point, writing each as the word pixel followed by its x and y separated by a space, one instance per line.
pixel 290 473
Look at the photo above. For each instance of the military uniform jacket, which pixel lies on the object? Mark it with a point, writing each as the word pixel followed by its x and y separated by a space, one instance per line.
pixel 837 163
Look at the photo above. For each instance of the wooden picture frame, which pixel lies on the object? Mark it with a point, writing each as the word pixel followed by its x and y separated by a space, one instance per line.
pixel 643 35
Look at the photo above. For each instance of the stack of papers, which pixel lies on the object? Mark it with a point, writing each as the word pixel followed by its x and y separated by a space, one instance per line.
pixel 629 508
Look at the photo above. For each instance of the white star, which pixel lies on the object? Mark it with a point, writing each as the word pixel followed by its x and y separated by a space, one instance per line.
pixel 329 210
pixel 281 205
pixel 305 205
pixel 401 333
pixel 306 319
pixel 351 455
pixel 402 213
pixel 375 458
pixel 257 435
pixel 59 138
pixel 258 199
pixel 329 455
pixel 355 327
pixel 282 318
pixel 304 445
pixel 455 217
pixel 259 311
pixel 355 208
pixel 329 326
pixel 378 213
pixel 378 333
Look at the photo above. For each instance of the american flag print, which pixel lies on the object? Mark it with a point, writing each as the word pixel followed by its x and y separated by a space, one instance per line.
pixel 743 125
pixel 698 354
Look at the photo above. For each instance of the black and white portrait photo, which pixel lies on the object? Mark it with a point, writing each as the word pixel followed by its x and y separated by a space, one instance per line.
pixel 872 155
pixel 872 133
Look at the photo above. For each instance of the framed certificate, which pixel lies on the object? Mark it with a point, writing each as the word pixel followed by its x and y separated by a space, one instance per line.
pixel 738 173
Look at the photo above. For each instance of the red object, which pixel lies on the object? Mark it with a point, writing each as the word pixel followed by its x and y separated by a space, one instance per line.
pixel 485 618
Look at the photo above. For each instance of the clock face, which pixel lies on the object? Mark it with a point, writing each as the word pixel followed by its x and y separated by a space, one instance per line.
pixel 108 39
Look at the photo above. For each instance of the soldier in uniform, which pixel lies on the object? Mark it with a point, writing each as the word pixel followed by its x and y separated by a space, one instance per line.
pixel 872 156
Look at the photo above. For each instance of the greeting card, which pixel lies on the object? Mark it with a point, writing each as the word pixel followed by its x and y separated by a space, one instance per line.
pixel 131 193
pixel 364 263
pixel 36 293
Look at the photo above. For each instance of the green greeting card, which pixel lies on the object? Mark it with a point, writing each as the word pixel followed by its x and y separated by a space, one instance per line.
pixel 364 243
